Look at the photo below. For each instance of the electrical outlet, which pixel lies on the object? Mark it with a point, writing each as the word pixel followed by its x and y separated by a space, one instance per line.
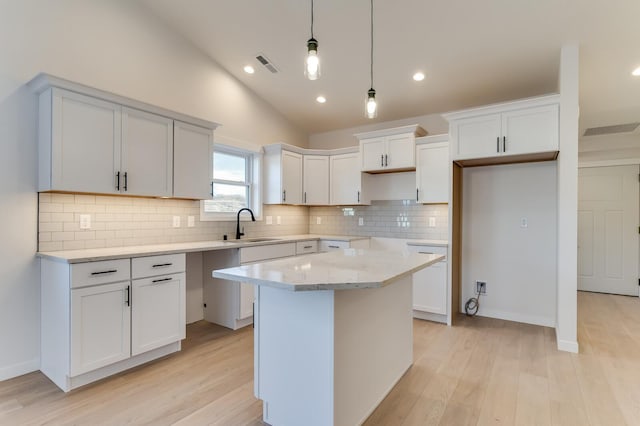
pixel 191 221
pixel 269 220
pixel 524 222
pixel 318 220
pixel 360 221
pixel 176 221
pixel 278 220
pixel 85 221
pixel 432 222
pixel 481 287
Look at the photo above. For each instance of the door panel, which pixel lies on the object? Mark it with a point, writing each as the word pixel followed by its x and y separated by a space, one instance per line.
pixel 608 230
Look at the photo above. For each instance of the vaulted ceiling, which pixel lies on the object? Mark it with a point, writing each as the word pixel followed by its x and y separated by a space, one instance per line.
pixel 472 52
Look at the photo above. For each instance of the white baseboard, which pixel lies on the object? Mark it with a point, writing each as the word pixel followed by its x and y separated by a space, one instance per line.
pixel 517 317
pixel 15 370
pixel 429 316
pixel 568 346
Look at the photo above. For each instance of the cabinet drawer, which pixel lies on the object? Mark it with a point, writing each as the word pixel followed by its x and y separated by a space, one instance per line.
pixel 304 247
pixel 429 249
pixel 102 272
pixel 272 251
pixel 327 245
pixel 157 265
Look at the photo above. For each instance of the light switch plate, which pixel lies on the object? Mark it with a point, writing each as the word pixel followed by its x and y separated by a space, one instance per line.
pixel 85 221
pixel 432 222
pixel 269 220
pixel 279 220
pixel 318 220
pixel 176 221
pixel 191 221
pixel 360 221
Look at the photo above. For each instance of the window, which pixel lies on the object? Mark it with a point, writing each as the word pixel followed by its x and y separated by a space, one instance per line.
pixel 233 184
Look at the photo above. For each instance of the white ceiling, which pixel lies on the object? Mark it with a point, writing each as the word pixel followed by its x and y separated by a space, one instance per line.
pixel 473 52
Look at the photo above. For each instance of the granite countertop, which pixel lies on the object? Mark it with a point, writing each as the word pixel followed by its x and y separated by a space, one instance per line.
pixel 432 243
pixel 337 270
pixel 92 255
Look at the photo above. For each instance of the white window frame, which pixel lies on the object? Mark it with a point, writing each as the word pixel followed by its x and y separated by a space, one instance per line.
pixel 252 181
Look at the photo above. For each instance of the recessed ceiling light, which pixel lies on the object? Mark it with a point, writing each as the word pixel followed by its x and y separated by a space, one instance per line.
pixel 418 76
pixel 321 99
pixel 636 72
pixel 249 69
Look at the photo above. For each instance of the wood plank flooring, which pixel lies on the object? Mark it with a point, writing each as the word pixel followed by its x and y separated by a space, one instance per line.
pixel 481 372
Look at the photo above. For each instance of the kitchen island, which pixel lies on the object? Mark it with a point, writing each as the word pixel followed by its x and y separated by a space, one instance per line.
pixel 333 332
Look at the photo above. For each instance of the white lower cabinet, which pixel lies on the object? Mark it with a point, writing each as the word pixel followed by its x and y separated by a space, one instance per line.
pixel 330 245
pixel 430 287
pixel 96 321
pixel 100 326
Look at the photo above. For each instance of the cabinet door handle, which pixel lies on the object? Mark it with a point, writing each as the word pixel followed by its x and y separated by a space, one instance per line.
pixel 386 163
pixel 308 247
pixel 161 280
pixel 498 144
pixel 125 182
pixel 160 265
pixel 381 160
pixel 358 196
pixel 333 246
pixel 417 194
pixel 284 195
pixel 504 144
pixel 211 189
pixel 128 300
pixel 118 181
pixel 305 197
pixel 110 271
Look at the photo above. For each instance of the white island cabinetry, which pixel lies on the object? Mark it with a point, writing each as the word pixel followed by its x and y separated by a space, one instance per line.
pixel 316 361
pixel 430 286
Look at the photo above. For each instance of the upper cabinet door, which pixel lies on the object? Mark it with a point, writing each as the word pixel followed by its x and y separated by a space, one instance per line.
pixel 316 180
pixel 192 161
pixel 147 154
pixel 84 143
pixel 476 137
pixel 345 179
pixel 291 178
pixel 432 173
pixel 373 151
pixel 401 151
pixel 530 130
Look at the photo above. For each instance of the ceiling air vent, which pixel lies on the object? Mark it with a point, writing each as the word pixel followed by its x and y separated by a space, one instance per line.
pixel 266 62
pixel 607 130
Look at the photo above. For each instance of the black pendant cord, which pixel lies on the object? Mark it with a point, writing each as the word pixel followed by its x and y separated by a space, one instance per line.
pixel 371 44
pixel 312 19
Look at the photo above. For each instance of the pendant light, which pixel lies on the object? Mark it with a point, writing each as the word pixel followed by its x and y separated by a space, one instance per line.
pixel 312 62
pixel 371 105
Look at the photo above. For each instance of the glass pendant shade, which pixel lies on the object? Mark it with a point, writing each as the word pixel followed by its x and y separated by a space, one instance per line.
pixel 371 105
pixel 312 62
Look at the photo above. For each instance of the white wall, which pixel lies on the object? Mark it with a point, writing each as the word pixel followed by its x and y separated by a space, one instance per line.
pixel 434 124
pixel 518 264
pixel 114 45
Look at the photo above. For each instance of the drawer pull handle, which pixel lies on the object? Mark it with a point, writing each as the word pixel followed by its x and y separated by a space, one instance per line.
pixel 161 280
pixel 111 271
pixel 334 246
pixel 161 265
pixel 308 247
pixel 426 252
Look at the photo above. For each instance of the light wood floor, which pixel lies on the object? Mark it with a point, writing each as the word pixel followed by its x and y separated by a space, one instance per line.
pixel 483 371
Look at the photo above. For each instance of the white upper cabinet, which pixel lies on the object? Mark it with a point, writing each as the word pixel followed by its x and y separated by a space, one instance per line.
pixel 192 161
pixel 526 130
pixel 282 176
pixel 80 141
pixel 432 169
pixel 97 142
pixel 346 180
pixel 390 150
pixel 147 154
pixel 316 180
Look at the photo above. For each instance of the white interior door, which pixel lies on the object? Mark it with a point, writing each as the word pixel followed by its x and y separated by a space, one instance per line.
pixel 608 229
